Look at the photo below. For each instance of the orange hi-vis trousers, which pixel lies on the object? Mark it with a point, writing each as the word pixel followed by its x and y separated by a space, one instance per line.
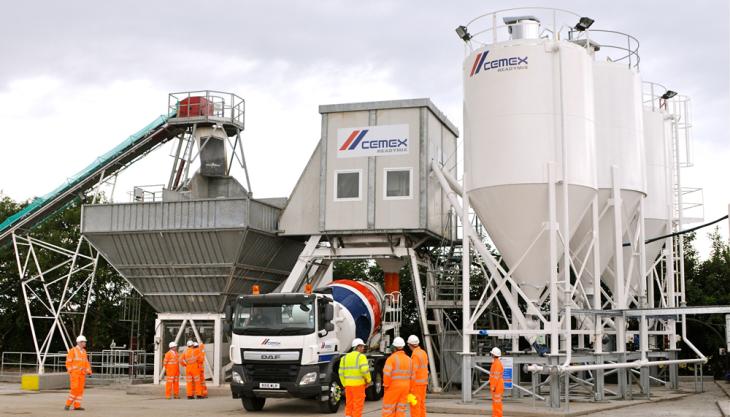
pixel 172 386
pixel 354 400
pixel 419 410
pixel 395 400
pixel 497 403
pixel 78 379
pixel 192 384
pixel 202 388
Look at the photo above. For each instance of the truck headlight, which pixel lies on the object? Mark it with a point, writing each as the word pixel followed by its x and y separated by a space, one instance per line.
pixel 238 378
pixel 308 378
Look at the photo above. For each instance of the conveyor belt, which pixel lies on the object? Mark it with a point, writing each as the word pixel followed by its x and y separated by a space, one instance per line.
pixel 118 158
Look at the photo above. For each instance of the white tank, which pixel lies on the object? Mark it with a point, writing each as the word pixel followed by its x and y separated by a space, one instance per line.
pixel 658 163
pixel 620 144
pixel 512 130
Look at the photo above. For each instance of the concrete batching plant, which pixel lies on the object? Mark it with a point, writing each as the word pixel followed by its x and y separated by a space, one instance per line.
pixel 572 170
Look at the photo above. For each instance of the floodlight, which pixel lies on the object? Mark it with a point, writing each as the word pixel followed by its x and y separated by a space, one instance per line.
pixel 669 94
pixel 583 24
pixel 463 33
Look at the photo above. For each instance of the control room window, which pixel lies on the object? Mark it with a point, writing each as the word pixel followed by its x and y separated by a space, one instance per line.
pixel 347 185
pixel 397 183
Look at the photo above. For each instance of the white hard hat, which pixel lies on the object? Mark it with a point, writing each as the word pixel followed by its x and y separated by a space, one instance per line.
pixel 357 342
pixel 172 345
pixel 399 342
pixel 195 344
pixel 413 339
pixel 81 338
pixel 496 352
pixel 190 343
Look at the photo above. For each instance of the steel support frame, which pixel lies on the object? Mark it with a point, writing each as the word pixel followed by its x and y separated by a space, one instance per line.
pixel 621 296
pixel 78 274
pixel 184 157
pixel 307 270
pixel 216 369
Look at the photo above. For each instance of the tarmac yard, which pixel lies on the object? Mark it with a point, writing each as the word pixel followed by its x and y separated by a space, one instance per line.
pixel 114 401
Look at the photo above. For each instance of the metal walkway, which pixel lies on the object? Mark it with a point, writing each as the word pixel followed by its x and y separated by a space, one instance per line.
pixel 107 165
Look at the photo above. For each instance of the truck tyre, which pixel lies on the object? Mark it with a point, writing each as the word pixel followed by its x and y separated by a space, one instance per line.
pixel 253 403
pixel 375 391
pixel 334 397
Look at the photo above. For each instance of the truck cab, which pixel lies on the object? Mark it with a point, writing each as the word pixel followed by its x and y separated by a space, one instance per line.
pixel 288 345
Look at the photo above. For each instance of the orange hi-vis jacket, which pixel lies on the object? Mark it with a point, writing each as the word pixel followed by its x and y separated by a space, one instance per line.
pixel 419 358
pixel 172 363
pixel 191 361
pixel 398 370
pixel 77 362
pixel 496 376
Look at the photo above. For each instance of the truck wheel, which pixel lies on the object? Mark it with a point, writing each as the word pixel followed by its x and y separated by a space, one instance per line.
pixel 253 403
pixel 334 398
pixel 375 391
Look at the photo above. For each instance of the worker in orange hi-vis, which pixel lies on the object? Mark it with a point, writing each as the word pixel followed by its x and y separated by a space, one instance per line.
pixel 397 381
pixel 496 382
pixel 78 366
pixel 419 359
pixel 172 372
pixel 189 359
pixel 203 391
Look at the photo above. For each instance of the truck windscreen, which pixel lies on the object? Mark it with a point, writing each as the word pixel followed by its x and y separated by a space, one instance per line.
pixel 274 319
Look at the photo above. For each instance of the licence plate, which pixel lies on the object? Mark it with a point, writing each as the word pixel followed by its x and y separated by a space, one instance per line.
pixel 268 385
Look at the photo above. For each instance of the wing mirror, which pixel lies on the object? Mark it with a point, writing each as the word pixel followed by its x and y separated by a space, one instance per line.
pixel 329 312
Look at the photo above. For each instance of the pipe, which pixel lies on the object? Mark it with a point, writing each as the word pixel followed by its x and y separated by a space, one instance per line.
pixel 454 184
pixel 465 306
pixel 635 364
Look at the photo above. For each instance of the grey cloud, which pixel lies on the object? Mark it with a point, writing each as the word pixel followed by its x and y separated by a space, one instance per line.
pixel 182 44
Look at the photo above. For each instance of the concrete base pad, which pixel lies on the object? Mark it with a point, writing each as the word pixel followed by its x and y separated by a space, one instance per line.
pixel 527 408
pixel 44 382
pixel 159 390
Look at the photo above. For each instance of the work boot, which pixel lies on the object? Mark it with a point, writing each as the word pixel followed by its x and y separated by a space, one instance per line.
pixel 79 409
pixel 65 407
pixel 191 398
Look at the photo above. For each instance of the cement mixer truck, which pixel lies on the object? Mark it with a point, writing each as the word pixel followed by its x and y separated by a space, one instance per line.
pixel 288 345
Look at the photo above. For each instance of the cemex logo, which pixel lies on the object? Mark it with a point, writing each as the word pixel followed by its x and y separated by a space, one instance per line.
pixel 356 138
pixel 381 140
pixel 501 64
pixel 270 342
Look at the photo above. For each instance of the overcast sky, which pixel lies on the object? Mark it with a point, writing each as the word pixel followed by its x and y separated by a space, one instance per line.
pixel 80 76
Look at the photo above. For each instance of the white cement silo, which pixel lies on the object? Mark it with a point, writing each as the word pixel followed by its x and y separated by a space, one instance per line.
pixel 528 106
pixel 619 162
pixel 657 207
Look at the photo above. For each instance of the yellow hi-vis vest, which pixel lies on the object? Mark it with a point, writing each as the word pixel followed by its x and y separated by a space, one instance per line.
pixel 354 369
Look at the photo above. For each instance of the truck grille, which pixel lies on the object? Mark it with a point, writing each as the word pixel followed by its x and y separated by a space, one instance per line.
pixel 272 372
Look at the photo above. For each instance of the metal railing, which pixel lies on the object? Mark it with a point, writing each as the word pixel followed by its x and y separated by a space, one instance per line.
pixel 214 106
pixel 500 32
pixel 146 193
pixel 555 24
pixel 110 364
pixel 392 313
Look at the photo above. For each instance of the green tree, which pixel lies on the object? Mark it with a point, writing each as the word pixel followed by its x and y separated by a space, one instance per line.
pixel 708 283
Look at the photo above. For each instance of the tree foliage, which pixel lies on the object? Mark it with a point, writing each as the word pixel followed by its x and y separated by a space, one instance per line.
pixel 708 283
